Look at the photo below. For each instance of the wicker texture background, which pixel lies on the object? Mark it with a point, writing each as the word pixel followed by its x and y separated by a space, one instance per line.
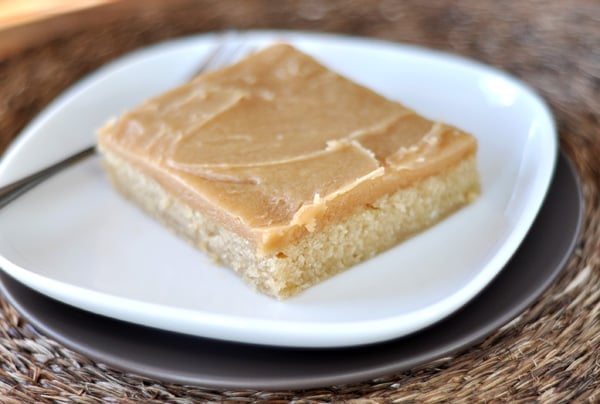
pixel 551 353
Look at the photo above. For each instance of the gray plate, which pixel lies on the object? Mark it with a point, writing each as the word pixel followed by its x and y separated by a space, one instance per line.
pixel 191 360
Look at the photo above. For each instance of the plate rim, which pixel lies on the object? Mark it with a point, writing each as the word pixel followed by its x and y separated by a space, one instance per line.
pixel 290 382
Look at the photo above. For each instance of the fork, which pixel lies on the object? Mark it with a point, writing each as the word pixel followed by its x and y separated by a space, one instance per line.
pixel 219 56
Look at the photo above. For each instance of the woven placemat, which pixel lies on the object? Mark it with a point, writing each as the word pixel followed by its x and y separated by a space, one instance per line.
pixel 551 353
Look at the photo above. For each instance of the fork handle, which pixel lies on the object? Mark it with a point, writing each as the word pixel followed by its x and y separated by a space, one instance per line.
pixel 10 192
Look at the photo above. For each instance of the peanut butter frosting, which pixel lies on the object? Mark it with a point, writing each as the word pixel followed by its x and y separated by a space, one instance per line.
pixel 276 145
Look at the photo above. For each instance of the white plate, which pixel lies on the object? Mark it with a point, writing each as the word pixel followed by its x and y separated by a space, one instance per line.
pixel 74 239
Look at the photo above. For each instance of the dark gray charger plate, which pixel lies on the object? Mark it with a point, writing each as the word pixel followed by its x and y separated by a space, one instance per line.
pixel 191 360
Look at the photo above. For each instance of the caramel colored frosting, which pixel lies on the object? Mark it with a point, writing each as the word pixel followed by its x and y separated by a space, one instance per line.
pixel 276 145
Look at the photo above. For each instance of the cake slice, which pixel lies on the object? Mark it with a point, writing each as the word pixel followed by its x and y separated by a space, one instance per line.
pixel 285 171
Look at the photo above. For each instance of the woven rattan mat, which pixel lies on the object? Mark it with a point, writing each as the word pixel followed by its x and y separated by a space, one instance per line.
pixel 551 353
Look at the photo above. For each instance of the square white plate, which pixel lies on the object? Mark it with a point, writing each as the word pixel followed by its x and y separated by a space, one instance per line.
pixel 74 239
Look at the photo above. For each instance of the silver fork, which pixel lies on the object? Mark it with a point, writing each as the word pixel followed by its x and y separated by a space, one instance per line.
pixel 219 56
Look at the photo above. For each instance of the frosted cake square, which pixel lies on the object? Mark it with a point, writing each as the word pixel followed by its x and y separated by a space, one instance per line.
pixel 285 171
